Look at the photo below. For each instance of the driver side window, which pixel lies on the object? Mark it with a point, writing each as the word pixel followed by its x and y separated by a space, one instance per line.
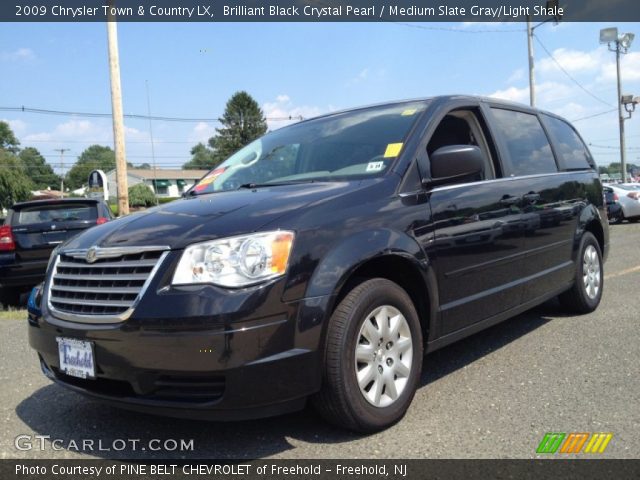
pixel 461 127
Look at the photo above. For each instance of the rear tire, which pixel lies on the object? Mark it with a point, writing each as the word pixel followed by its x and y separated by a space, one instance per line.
pixel 586 292
pixel 372 358
pixel 10 296
pixel 617 219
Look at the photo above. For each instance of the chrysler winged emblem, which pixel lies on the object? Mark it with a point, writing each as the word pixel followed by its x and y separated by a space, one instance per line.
pixel 92 255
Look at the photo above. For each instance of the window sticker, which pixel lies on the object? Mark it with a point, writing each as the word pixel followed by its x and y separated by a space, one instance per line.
pixel 209 179
pixel 393 149
pixel 375 166
pixel 409 111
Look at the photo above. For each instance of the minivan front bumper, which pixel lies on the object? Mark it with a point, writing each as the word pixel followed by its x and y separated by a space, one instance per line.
pixel 263 363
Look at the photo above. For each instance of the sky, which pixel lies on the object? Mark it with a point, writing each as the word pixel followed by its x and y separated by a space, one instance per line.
pixel 296 69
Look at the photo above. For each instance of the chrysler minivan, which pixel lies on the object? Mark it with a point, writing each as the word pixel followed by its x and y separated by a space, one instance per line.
pixel 324 259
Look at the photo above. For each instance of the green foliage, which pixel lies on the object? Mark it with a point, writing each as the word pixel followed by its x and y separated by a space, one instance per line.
pixel 202 158
pixel 140 195
pixel 142 166
pixel 39 171
pixel 114 209
pixel 94 157
pixel 616 167
pixel 8 141
pixel 15 186
pixel 163 200
pixel 242 122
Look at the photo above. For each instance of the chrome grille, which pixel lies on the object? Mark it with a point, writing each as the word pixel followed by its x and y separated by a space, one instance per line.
pixel 101 285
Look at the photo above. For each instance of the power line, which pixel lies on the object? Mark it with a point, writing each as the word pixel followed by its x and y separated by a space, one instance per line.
pixel 569 75
pixel 611 147
pixel 459 30
pixel 594 115
pixel 615 138
pixel 43 111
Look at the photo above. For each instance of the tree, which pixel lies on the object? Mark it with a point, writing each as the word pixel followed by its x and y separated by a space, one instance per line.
pixel 8 140
pixel 92 158
pixel 39 171
pixel 242 122
pixel 140 195
pixel 15 186
pixel 202 157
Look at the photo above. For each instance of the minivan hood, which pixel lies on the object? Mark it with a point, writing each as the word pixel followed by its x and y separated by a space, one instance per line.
pixel 197 219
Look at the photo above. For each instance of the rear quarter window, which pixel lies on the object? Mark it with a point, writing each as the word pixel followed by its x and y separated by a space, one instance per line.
pixel 54 213
pixel 526 142
pixel 572 151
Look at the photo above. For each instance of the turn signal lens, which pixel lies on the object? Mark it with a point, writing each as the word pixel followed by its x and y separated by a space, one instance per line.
pixel 280 249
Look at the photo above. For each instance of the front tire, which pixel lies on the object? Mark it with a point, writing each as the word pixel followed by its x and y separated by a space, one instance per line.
pixel 372 358
pixel 586 293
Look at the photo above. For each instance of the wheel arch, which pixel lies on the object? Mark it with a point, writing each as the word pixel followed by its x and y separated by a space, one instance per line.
pixel 591 221
pixel 387 254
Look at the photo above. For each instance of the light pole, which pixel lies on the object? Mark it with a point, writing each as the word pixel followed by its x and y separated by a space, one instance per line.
pixel 621 44
pixel 552 5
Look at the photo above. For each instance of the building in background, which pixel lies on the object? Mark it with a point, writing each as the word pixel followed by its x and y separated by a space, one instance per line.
pixel 164 182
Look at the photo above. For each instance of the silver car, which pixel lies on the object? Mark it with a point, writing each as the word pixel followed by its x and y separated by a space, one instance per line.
pixel 629 199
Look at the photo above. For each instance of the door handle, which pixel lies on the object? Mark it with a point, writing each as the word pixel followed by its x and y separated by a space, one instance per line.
pixel 509 200
pixel 532 197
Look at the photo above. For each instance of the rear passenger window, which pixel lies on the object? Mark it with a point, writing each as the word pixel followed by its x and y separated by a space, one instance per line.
pixel 569 146
pixel 526 142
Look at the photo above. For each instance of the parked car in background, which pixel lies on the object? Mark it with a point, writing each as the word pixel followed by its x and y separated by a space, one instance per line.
pixel 629 199
pixel 614 209
pixel 323 259
pixel 30 233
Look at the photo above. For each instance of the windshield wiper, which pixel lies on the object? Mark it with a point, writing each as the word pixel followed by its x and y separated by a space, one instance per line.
pixel 251 186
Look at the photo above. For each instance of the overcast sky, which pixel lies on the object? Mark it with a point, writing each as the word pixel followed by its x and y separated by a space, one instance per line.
pixel 296 69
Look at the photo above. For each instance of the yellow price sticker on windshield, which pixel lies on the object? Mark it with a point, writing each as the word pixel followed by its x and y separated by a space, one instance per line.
pixel 409 111
pixel 393 149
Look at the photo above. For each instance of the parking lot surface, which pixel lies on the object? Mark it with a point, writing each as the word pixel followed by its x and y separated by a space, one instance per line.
pixel 493 395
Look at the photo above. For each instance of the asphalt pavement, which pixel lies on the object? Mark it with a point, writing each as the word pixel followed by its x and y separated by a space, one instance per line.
pixel 493 395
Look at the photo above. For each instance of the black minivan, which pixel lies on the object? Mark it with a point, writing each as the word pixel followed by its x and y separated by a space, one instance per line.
pixel 324 259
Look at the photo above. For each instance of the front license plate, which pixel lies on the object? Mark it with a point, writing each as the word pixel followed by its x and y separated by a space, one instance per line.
pixel 76 357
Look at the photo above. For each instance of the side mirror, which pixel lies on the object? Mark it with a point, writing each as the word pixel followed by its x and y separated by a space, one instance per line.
pixel 454 163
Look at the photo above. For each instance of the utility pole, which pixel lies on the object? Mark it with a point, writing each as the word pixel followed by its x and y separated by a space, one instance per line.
pixel 551 6
pixel 532 81
pixel 61 150
pixel 153 153
pixel 118 119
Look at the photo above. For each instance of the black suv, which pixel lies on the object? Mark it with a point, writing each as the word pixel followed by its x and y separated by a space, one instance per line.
pixel 324 259
pixel 30 233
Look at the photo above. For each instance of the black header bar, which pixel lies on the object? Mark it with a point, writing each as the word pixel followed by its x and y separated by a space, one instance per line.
pixel 318 11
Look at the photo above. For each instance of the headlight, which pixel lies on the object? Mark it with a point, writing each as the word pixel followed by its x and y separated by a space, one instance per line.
pixel 236 261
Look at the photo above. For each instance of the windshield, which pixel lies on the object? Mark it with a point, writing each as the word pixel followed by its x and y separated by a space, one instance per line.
pixel 362 143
